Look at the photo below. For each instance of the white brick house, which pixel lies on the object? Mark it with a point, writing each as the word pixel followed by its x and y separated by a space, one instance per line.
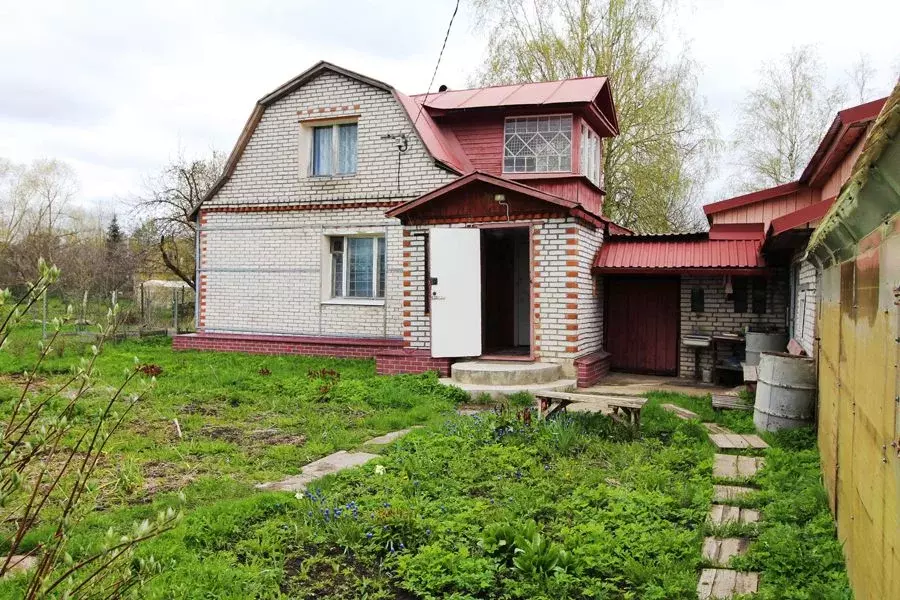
pixel 353 220
pixel 343 261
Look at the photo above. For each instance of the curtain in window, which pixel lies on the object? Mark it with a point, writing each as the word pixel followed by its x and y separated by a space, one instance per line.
pixel 347 148
pixel 360 267
pixel 322 150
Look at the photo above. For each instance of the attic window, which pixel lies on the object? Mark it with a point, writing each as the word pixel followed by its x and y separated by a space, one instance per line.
pixel 538 144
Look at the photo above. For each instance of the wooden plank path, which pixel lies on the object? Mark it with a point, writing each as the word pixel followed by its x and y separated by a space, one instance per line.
pixel 720 401
pixel 723 514
pixel 719 551
pixel 721 582
pixel 733 466
pixel 725 583
pixel 737 441
pixel 681 413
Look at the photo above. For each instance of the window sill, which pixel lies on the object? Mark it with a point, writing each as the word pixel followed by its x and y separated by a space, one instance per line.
pixel 354 301
pixel 331 177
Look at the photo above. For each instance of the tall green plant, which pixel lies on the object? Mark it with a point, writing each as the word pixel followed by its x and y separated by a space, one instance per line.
pixel 48 459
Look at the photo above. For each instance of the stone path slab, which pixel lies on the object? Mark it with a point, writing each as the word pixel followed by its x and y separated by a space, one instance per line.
pixel 722 514
pixel 389 437
pixel 736 441
pixel 725 583
pixel 727 493
pixel 19 563
pixel 733 467
pixel 681 413
pixel 718 551
pixel 324 466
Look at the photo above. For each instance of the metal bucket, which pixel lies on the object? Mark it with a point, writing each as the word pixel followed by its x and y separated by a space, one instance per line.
pixel 785 392
pixel 755 343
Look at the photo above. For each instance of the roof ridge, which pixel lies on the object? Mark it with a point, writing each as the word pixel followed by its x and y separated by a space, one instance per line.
pixel 499 85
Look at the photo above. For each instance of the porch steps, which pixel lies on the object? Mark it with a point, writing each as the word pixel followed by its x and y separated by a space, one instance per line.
pixel 504 373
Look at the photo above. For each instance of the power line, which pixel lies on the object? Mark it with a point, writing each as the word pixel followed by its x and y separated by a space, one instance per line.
pixel 434 75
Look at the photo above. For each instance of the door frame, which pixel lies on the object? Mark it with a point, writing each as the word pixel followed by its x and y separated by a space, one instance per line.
pixel 530 357
pixel 606 289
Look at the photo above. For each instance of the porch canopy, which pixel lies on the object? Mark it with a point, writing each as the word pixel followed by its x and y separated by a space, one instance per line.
pixel 481 197
pixel 731 249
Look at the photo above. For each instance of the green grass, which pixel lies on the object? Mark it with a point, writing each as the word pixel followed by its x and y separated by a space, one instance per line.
pixel 466 507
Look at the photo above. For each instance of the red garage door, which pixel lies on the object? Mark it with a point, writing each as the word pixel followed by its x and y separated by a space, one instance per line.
pixel 642 324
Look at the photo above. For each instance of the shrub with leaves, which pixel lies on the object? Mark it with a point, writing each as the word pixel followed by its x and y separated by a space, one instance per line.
pixel 49 450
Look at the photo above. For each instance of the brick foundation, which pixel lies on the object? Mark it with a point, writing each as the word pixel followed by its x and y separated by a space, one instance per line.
pixel 339 347
pixel 393 362
pixel 591 368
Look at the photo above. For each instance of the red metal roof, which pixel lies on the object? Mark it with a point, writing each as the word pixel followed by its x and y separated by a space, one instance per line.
pixel 678 253
pixel 442 144
pixel 567 91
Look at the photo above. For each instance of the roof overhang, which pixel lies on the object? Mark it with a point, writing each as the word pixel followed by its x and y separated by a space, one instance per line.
pixel 869 198
pixel 413 210
pixel 697 272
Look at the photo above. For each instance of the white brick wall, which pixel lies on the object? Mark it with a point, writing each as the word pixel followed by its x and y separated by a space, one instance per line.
pixel 719 316
pixel 264 273
pixel 269 171
pixel 805 307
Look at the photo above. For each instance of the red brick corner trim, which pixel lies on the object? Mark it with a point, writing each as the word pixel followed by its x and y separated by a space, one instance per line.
pixel 407 360
pixel 339 347
pixel 591 368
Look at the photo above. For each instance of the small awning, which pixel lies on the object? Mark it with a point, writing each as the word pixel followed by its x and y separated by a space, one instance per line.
pixel 682 254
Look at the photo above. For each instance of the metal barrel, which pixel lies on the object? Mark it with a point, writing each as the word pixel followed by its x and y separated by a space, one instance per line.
pixel 785 392
pixel 755 343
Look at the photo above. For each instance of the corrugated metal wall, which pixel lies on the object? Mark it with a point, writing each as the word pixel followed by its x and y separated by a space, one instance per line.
pixel 859 412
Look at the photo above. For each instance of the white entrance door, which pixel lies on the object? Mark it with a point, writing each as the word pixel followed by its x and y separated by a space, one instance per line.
pixel 455 292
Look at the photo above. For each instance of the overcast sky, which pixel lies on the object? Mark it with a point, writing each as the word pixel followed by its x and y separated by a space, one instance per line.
pixel 115 88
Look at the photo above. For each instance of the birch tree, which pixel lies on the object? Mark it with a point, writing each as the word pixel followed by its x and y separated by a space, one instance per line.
pixel 656 167
pixel 783 120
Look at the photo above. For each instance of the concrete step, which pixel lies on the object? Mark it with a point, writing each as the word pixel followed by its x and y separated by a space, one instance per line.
pixel 727 493
pixel 493 373
pixel 495 391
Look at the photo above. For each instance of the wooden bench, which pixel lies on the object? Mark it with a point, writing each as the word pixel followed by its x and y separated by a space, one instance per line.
pixel 630 407
pixel 720 402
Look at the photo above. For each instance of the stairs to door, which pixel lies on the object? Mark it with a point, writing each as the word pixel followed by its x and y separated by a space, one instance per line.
pixel 507 377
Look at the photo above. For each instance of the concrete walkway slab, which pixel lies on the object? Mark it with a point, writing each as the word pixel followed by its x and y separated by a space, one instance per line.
pixel 719 551
pixel 726 493
pixel 19 563
pixel 315 470
pixel 723 514
pixel 495 391
pixel 629 384
pixel 389 437
pixel 725 583
pixel 733 467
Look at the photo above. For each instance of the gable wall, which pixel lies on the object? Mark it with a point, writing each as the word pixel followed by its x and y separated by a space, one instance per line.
pixel 764 212
pixel 269 171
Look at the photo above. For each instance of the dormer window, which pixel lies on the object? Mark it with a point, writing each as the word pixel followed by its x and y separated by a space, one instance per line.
pixel 538 144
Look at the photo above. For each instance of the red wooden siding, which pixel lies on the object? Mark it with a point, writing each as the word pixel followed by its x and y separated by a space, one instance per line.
pixel 764 212
pixel 574 188
pixel 482 141
pixel 642 320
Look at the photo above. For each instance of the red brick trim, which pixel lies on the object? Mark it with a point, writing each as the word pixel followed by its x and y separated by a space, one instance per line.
pixel 393 362
pixel 591 368
pixel 340 347
pixel 302 207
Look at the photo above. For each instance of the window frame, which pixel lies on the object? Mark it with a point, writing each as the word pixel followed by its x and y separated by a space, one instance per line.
pixel 571 169
pixel 378 242
pixel 335 127
pixel 590 158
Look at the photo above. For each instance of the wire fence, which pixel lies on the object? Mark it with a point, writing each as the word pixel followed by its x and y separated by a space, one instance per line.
pixel 149 309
